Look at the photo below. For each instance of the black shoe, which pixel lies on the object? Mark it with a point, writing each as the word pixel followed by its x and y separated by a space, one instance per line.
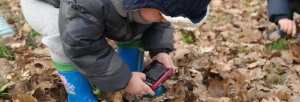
pixel 55 3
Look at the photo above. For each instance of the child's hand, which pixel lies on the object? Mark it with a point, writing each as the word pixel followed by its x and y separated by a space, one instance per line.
pixel 288 26
pixel 137 86
pixel 165 59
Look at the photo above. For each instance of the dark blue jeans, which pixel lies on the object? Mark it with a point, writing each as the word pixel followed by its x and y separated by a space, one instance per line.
pixel 294 4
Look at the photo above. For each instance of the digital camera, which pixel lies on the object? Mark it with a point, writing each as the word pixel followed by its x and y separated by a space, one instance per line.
pixel 156 73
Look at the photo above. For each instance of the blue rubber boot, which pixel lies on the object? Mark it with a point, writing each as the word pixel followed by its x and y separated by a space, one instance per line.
pixel 77 86
pixel 159 91
pixel 133 54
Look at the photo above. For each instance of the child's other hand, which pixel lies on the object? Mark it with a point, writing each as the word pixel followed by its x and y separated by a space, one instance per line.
pixel 165 59
pixel 288 26
pixel 137 86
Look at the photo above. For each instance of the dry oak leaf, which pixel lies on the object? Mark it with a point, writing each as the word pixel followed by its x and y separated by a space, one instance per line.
pixel 45 62
pixel 206 49
pixel 222 99
pixel 295 87
pixel 296 53
pixel 190 97
pixel 42 96
pixel 42 51
pixel 26 27
pixel 218 89
pixel 257 63
pixel 6 67
pixel 234 11
pixel 282 94
pixel 20 97
pixel 224 67
pixel 177 35
pixel 278 61
pixel 271 99
pixel 296 98
pixel 287 56
pixel 256 73
pixel 216 3
pixel 249 36
pixel 118 96
pixel 180 52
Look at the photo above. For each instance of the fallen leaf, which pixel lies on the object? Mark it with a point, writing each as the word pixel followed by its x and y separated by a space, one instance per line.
pixel 241 79
pixel 206 49
pixel 45 62
pixel 118 96
pixel 271 99
pixel 26 27
pixel 282 95
pixel 23 98
pixel 222 99
pixel 190 97
pixel 276 54
pixel 278 61
pixel 216 3
pixel 249 36
pixel 260 62
pixel 296 53
pixel 6 67
pixel 180 52
pixel 218 89
pixel 295 87
pixel 256 74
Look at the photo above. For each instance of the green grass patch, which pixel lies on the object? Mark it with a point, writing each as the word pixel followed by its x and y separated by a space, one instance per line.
pixel 3 86
pixel 227 19
pixel 5 52
pixel 278 45
pixel 34 33
pixel 213 19
pixel 188 37
pixel 252 11
pixel 279 79
pixel 246 3
pixel 31 39
pixel 241 48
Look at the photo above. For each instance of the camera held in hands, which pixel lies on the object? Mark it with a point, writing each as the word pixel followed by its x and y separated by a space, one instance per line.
pixel 156 74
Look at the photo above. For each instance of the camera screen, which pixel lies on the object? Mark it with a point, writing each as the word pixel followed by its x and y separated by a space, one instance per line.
pixel 154 72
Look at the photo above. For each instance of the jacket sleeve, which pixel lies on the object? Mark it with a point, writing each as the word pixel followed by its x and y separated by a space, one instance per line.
pixel 81 29
pixel 158 38
pixel 278 9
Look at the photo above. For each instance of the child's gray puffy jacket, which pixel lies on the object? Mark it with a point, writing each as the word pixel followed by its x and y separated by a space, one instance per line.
pixel 84 26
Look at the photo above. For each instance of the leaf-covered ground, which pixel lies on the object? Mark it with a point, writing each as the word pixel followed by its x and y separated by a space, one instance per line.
pixel 226 59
